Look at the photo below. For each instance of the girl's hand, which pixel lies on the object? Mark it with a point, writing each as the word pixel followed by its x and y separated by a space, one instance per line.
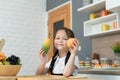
pixel 75 45
pixel 43 56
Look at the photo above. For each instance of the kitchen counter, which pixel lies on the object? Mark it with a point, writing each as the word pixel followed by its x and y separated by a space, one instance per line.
pixel 46 77
pixel 101 74
pixel 97 71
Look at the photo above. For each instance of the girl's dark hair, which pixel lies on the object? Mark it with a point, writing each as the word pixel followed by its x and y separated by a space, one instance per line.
pixel 69 34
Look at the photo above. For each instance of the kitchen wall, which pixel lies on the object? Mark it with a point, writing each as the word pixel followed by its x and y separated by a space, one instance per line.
pixel 103 45
pixel 77 24
pixel 23 24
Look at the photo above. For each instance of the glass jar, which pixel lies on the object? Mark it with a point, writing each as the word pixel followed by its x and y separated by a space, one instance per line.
pixel 105 62
pixel 95 0
pixel 117 58
pixel 86 2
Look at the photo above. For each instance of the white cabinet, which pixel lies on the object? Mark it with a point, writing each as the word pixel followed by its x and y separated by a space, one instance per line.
pixel 113 5
pixel 94 27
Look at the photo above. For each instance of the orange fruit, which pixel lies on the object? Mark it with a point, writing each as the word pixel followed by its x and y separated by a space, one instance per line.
pixel 70 42
pixel 2 56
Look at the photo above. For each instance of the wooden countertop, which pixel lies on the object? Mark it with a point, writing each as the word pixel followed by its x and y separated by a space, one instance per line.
pixel 45 77
pixel 8 78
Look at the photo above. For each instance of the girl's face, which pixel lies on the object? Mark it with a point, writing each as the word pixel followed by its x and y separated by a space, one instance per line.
pixel 60 40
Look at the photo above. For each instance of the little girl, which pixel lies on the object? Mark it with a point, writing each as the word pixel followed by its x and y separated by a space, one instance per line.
pixel 64 62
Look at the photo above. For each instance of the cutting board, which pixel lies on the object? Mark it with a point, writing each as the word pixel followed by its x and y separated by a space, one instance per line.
pixel 44 77
pixel 53 77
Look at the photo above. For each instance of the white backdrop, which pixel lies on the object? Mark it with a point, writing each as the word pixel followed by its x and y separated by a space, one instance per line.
pixel 23 24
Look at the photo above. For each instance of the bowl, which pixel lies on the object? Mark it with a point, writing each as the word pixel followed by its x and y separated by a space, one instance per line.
pixel 9 70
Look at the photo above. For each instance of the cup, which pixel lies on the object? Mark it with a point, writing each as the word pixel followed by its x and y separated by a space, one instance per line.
pixel 105 27
pixel 92 16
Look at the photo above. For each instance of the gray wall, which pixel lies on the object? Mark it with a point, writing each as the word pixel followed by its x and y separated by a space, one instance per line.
pixel 77 25
pixel 54 3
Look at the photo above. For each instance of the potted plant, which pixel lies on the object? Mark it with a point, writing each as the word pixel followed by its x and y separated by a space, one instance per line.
pixel 116 48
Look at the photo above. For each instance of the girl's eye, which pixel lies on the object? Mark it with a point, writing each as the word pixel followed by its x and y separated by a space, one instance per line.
pixel 65 39
pixel 57 38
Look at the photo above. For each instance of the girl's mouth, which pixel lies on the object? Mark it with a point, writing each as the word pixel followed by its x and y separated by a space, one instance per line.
pixel 60 44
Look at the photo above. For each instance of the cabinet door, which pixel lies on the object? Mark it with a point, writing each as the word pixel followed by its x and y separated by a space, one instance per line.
pixel 57 18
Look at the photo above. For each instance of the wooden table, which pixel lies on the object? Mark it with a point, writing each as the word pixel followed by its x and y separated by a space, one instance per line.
pixel 46 77
pixel 8 78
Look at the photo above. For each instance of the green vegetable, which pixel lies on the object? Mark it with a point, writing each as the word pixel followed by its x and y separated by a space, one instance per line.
pixel 116 47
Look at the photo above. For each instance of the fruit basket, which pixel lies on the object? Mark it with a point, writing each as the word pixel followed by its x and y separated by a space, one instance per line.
pixel 9 70
pixel 9 66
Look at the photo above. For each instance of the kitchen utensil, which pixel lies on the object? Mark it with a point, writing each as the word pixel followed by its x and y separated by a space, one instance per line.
pixel 2 42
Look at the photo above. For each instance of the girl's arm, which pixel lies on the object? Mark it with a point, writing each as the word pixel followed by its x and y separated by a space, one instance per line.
pixel 70 67
pixel 41 68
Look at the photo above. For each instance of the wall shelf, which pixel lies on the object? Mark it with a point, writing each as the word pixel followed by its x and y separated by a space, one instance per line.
pixel 102 19
pixel 94 27
pixel 103 33
pixel 94 7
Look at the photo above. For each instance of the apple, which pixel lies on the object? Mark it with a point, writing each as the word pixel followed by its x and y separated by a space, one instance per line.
pixel 1 63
